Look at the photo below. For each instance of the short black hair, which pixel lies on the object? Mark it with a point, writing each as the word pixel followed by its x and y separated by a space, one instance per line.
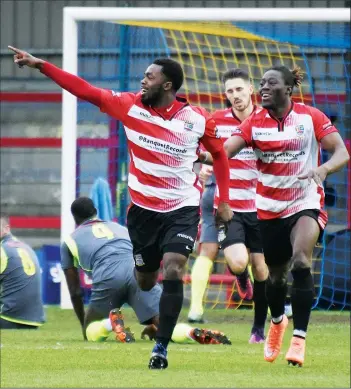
pixel 83 209
pixel 291 77
pixel 235 73
pixel 172 70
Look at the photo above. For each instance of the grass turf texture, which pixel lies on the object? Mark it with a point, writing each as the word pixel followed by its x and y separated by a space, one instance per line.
pixel 56 356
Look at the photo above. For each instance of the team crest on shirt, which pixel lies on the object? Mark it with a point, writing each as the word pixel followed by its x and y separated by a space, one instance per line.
pixel 139 260
pixel 188 126
pixel 300 130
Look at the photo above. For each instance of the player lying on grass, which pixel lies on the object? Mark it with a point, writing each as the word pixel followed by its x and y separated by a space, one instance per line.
pixel 286 138
pixel 104 251
pixel 164 133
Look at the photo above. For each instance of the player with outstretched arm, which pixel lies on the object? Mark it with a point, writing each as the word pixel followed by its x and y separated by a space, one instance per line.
pixel 164 132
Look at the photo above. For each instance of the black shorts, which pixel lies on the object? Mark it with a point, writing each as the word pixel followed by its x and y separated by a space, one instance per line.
pixel 155 233
pixel 276 233
pixel 244 228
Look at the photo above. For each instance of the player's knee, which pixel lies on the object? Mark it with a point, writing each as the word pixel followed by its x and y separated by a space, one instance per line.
pixel 260 272
pixel 173 269
pixel 173 272
pixel 300 261
pixel 237 258
pixel 237 264
pixel 209 250
pixel 278 279
pixel 259 267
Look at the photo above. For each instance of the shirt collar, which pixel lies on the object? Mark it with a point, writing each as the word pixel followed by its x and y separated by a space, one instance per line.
pixel 169 111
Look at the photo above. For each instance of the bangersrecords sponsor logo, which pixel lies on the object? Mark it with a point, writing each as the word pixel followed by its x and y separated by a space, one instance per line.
pixel 286 156
pixel 159 146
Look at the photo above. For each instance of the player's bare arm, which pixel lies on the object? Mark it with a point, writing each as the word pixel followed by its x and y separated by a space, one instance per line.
pixel 75 291
pixel 340 156
pixel 234 145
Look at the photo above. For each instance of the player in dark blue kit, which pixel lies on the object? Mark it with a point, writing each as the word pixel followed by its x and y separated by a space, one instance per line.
pixel 21 305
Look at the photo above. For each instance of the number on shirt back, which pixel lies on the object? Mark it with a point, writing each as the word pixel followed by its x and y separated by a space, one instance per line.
pixel 27 262
pixel 100 230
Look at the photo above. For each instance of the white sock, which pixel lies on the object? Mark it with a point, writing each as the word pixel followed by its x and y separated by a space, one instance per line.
pixel 107 324
pixel 277 320
pixel 299 333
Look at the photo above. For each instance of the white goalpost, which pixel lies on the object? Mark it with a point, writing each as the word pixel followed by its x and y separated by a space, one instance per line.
pixel 73 15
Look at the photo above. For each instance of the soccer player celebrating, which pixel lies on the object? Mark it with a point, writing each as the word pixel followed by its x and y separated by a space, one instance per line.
pixel 286 137
pixel 243 233
pixel 163 133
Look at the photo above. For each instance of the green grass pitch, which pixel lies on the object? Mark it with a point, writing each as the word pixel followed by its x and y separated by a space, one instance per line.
pixel 56 356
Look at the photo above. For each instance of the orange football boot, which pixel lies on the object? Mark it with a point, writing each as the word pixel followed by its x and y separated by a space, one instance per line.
pixel 204 336
pixel 274 340
pixel 296 352
pixel 123 334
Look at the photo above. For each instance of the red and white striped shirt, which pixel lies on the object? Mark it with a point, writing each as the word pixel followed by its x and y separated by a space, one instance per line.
pixel 162 150
pixel 286 149
pixel 243 170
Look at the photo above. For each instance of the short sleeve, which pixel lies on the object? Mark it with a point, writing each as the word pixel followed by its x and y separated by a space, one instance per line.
pixel 321 124
pixel 116 104
pixel 67 260
pixel 245 131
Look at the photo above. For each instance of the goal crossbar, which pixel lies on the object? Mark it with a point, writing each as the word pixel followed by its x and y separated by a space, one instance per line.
pixel 210 14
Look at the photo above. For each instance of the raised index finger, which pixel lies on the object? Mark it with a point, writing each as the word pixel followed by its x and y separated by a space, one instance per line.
pixel 17 51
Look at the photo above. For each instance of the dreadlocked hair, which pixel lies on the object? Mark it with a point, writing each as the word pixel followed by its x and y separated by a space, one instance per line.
pixel 298 75
pixel 292 77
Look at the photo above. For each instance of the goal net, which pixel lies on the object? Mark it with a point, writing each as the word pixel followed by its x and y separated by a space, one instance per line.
pixel 111 48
